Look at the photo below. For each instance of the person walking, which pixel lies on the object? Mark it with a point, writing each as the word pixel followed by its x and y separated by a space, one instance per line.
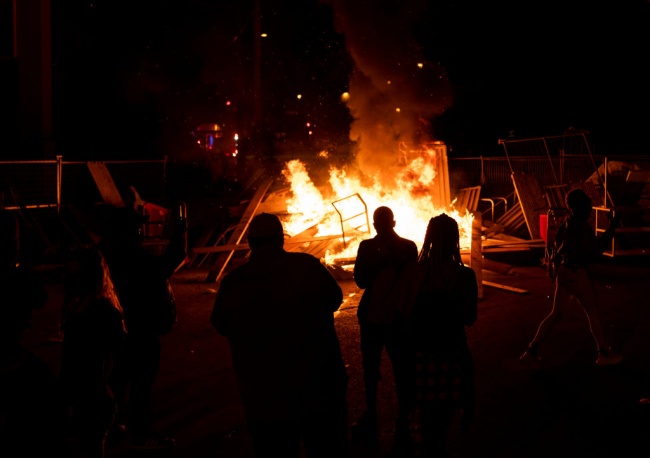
pixel 576 247
pixel 141 279
pixel 379 264
pixel 441 301
pixel 277 312
pixel 93 334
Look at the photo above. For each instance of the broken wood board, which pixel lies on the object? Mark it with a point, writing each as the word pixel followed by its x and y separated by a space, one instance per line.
pixel 220 266
pixel 105 184
pixel 505 287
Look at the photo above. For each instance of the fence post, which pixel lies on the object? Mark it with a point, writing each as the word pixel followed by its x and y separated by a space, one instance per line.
pixel 59 177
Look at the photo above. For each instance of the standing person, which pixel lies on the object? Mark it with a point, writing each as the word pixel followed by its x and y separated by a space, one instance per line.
pixel 577 246
pixel 141 279
pixel 277 312
pixel 380 262
pixel 32 411
pixel 443 298
pixel 93 334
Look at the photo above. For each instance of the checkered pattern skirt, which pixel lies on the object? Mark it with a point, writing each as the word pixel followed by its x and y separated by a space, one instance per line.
pixel 444 377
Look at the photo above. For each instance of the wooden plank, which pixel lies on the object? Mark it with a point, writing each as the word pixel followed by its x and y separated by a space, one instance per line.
pixel 555 195
pixel 532 199
pixel 638 176
pixel 628 252
pixel 219 267
pixel 105 184
pixel 476 251
pixel 244 246
pixel 467 199
pixel 505 287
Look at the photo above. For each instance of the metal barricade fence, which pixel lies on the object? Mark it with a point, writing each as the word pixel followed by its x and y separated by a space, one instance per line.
pixel 52 183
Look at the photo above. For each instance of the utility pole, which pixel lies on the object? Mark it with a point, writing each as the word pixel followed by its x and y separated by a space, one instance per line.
pixel 258 115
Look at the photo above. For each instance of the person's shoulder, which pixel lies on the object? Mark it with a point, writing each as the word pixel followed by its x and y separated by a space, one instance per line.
pixel 407 242
pixel 466 273
pixel 368 242
pixel 302 257
pixel 238 270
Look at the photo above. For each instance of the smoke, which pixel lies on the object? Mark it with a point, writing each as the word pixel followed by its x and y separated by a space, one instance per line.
pixel 394 90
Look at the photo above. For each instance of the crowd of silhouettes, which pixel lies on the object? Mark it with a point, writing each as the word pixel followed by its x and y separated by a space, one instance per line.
pixel 277 312
pixel 117 303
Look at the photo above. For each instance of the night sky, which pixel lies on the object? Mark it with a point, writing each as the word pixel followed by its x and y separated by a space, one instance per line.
pixel 132 79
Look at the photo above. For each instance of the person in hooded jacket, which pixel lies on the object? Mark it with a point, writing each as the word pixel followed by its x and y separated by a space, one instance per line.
pixel 277 312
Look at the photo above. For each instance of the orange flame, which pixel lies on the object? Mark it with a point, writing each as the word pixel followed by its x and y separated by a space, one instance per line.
pixel 345 207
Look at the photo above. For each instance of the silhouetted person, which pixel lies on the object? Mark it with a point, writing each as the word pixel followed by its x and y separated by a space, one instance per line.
pixel 379 264
pixel 93 334
pixel 277 312
pixel 32 412
pixel 140 278
pixel 576 246
pixel 443 297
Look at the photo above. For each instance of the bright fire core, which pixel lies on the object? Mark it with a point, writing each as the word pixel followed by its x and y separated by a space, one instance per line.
pixel 345 206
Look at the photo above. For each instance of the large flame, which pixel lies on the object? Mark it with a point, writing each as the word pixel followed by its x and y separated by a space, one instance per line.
pixel 345 207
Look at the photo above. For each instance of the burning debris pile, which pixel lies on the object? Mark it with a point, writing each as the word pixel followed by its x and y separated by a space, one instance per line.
pixel 341 209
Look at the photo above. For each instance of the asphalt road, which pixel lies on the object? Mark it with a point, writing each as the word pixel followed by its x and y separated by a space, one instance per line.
pixel 568 408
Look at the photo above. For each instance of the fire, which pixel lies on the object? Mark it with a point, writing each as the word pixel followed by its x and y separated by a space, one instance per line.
pixel 345 206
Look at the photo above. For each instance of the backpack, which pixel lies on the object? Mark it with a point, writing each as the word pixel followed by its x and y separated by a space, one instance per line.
pixel 554 254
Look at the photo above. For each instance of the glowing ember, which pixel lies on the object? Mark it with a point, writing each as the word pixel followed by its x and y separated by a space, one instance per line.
pixel 339 208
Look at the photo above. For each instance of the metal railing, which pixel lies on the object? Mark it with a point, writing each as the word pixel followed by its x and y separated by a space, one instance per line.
pixel 48 184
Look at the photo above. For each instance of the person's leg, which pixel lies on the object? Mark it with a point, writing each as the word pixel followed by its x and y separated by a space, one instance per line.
pixel 561 298
pixel 586 295
pixel 435 419
pixel 372 346
pixel 145 364
pixel 584 292
pixel 325 433
pixel 402 358
pixel 272 440
pixel 96 414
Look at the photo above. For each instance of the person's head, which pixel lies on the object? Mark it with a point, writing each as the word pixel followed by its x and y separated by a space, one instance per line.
pixel 383 220
pixel 265 230
pixel 442 240
pixel 579 203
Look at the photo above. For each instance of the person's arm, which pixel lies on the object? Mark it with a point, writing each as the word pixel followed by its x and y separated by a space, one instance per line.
pixel 470 296
pixel 603 241
pixel 409 283
pixel 332 294
pixel 176 251
pixel 223 300
pixel 363 268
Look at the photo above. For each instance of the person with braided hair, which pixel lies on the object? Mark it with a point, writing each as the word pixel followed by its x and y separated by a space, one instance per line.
pixel 441 301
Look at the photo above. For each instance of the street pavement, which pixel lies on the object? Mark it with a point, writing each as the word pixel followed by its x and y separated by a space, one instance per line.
pixel 567 408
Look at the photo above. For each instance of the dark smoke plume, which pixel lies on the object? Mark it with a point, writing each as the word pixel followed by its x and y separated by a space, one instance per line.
pixel 394 91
